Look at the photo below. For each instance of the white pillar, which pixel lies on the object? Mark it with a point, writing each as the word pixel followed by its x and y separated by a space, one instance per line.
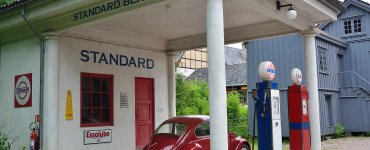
pixel 171 58
pixel 310 66
pixel 51 92
pixel 216 75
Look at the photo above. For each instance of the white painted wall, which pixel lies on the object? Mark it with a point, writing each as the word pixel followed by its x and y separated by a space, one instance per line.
pixel 19 58
pixel 123 131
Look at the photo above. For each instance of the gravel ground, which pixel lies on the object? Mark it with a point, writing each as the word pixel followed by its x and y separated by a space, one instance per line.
pixel 348 143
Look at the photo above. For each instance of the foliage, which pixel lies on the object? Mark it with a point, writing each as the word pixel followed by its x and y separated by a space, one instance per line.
pixel 4 141
pixel 4 3
pixel 192 99
pixel 367 134
pixel 237 115
pixel 339 131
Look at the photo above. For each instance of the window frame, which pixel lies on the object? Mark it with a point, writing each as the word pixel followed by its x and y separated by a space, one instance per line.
pixel 352 19
pixel 347 26
pixel 111 99
pixel 357 25
pixel 323 57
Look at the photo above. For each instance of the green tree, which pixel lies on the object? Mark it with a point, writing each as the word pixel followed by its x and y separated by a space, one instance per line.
pixel 192 99
pixel 4 3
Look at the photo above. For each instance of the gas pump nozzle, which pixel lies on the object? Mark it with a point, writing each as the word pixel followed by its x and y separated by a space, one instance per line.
pixel 255 95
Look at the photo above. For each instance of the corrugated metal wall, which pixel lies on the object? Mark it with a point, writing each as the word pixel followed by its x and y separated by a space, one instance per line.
pixel 349 104
pixel 356 114
pixel 279 50
pixel 336 28
pixel 354 108
pixel 286 53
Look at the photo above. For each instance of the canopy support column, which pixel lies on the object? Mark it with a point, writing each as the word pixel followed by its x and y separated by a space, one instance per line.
pixel 216 75
pixel 310 66
pixel 171 58
pixel 51 92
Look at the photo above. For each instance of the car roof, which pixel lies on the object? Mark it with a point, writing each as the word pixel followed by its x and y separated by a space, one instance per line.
pixel 188 119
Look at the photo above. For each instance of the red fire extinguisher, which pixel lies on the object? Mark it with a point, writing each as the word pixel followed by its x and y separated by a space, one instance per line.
pixel 34 137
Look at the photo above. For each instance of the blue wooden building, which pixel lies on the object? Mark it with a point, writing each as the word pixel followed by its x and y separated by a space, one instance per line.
pixel 343 56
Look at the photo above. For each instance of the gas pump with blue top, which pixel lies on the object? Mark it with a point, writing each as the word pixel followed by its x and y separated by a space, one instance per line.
pixel 267 104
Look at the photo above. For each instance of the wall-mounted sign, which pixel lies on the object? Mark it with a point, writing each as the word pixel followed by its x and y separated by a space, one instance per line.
pixel 97 136
pixel 23 90
pixel 69 108
pixel 103 8
pixel 116 59
pixel 123 100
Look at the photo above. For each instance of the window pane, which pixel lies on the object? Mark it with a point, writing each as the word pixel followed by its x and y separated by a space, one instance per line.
pixel 86 83
pixel 96 115
pixel 86 99
pixel 96 84
pixel 172 128
pixel 105 100
pixel 86 116
pixel 106 85
pixel 203 129
pixel 106 115
pixel 96 100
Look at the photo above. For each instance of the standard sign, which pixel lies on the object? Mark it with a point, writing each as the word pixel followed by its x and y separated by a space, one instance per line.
pixel 97 136
pixel 23 90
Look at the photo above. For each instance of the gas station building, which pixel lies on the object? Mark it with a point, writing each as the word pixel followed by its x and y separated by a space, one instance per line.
pixel 106 68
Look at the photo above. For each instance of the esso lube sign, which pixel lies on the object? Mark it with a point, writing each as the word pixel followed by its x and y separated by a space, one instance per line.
pixel 266 71
pixel 296 76
pixel 97 136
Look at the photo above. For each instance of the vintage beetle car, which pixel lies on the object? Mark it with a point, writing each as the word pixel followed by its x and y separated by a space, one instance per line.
pixel 189 133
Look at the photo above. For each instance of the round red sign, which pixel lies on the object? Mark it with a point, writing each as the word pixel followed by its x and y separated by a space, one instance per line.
pixel 23 90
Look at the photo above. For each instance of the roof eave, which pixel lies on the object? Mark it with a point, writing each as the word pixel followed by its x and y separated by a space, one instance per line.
pixel 334 4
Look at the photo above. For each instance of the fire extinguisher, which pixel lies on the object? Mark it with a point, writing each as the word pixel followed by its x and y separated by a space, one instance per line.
pixel 34 139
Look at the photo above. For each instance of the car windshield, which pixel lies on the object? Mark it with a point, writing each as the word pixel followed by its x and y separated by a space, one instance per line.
pixel 171 128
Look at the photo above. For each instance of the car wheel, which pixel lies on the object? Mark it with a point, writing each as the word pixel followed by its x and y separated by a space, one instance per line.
pixel 245 147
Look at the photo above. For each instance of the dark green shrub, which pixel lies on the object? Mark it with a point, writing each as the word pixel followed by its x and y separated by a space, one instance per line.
pixel 4 142
pixel 339 131
pixel 4 3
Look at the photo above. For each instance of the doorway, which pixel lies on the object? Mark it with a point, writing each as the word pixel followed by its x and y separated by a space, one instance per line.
pixel 144 110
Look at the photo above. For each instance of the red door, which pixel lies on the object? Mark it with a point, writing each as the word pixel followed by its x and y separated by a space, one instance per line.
pixel 144 110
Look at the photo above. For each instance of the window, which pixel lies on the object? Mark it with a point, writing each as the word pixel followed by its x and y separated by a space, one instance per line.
pixel 96 100
pixel 171 128
pixel 357 25
pixel 356 28
pixel 347 27
pixel 203 129
pixel 329 108
pixel 323 60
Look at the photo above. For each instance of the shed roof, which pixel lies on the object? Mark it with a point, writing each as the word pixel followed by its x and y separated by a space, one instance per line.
pixel 234 56
pixel 235 74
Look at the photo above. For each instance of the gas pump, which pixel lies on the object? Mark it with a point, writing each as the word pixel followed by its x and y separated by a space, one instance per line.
pixel 299 122
pixel 267 104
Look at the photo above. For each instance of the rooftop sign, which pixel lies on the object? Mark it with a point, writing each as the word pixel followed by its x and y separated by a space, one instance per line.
pixel 102 8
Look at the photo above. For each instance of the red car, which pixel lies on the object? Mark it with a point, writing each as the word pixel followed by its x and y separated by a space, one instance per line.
pixel 189 133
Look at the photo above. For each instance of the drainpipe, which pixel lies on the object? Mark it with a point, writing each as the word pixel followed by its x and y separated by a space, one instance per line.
pixel 42 59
